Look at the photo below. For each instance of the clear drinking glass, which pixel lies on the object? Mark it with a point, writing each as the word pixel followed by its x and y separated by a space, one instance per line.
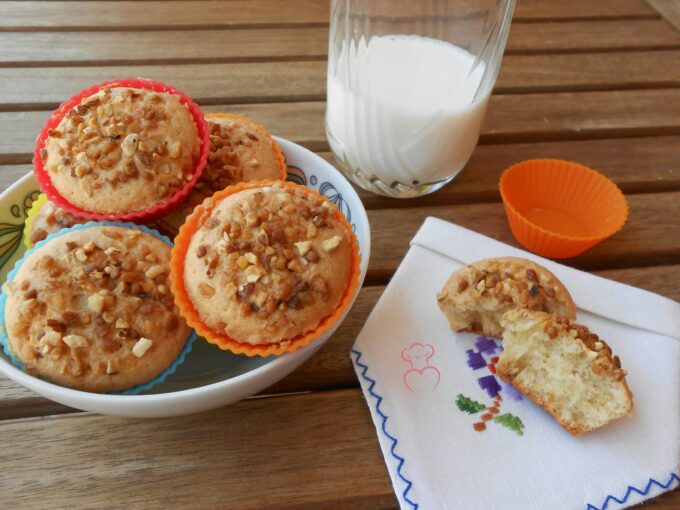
pixel 408 84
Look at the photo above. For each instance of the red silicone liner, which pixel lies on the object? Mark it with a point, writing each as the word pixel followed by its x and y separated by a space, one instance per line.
pixel 141 215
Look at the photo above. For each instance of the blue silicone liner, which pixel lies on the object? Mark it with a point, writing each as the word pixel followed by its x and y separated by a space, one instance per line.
pixel 135 390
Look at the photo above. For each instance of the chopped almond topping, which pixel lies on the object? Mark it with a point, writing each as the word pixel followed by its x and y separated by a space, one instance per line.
pixel 331 243
pixel 74 341
pixel 304 246
pixel 141 346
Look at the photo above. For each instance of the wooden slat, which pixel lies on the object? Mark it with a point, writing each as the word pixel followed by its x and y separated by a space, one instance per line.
pixel 511 118
pixel 42 88
pixel 592 36
pixel 331 368
pixel 186 46
pixel 589 71
pixel 241 13
pixel 131 15
pixel 644 240
pixel 167 46
pixel 574 115
pixel 528 10
pixel 242 456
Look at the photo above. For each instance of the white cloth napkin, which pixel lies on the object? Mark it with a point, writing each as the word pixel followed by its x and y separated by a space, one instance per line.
pixel 425 385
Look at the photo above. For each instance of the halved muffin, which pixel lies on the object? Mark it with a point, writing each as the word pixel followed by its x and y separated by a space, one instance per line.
pixel 564 368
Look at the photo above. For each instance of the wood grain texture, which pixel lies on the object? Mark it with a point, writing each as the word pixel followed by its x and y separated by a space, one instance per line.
pixel 243 456
pixel 45 88
pixel 248 13
pixel 195 46
pixel 510 118
pixel 131 15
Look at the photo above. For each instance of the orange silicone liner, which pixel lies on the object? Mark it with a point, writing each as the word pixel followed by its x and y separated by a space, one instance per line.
pixel 194 221
pixel 260 129
pixel 141 215
pixel 559 209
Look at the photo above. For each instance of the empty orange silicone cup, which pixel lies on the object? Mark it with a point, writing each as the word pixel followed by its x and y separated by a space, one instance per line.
pixel 559 209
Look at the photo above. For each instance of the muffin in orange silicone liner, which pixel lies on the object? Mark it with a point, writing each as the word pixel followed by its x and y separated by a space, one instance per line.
pixel 264 267
pixel 240 150
pixel 123 150
pixel 560 209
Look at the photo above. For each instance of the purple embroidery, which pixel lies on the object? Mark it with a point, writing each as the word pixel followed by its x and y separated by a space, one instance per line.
pixel 486 345
pixel 489 383
pixel 475 360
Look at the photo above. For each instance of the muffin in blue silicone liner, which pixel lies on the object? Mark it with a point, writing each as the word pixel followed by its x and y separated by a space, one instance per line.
pixel 90 308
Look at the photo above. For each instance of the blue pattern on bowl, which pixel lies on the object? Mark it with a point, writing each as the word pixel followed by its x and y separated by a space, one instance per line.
pixel 326 189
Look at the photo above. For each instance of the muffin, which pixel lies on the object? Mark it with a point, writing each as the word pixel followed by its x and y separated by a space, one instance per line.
pixel 264 267
pixel 476 296
pixel 564 368
pixel 120 151
pixel 240 150
pixel 91 309
pixel 45 218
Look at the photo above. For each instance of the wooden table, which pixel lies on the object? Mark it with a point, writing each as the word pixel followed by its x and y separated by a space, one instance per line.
pixel 593 81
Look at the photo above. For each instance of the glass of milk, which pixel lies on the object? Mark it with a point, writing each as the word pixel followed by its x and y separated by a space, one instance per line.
pixel 408 85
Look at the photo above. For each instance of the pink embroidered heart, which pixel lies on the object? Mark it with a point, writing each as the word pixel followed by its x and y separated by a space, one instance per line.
pixel 422 381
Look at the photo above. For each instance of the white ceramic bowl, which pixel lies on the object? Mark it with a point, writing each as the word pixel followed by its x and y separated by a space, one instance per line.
pixel 209 377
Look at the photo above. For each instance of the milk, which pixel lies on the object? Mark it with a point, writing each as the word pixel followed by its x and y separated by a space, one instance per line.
pixel 405 109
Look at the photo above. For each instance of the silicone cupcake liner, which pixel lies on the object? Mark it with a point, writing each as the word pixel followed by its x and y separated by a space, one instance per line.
pixel 4 340
pixel 277 150
pixel 558 208
pixel 189 312
pixel 156 211
pixel 37 204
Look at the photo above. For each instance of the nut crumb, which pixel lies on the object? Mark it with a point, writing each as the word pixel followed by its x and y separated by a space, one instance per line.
pixel 96 302
pixel 303 247
pixel 74 341
pixel 141 346
pixel 155 271
pixel 331 243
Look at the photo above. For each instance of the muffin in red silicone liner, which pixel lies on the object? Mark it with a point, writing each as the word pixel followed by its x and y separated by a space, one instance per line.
pixel 127 149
